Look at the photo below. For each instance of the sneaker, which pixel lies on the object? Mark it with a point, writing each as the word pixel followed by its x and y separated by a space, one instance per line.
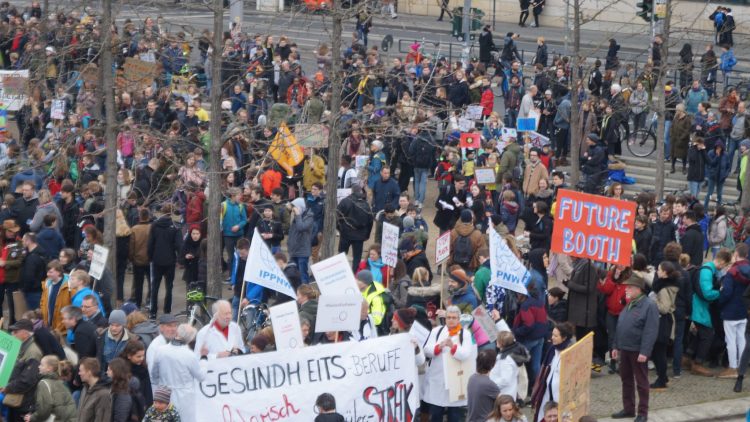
pixel 394 16
pixel 533 25
pixel 728 373
pixel 658 386
pixel 701 370
pixel 651 365
pixel 622 414
pixel 676 375
pixel 640 418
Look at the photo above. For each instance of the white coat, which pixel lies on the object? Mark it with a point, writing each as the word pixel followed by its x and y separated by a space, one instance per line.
pixel 210 337
pixel 155 344
pixel 435 391
pixel 178 368
pixel 552 388
pixel 505 375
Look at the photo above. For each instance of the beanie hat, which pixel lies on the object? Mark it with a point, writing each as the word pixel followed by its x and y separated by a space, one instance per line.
pixel 117 317
pixel 406 316
pixel 365 276
pixel 460 276
pixel 466 216
pixel 129 308
pixel 408 222
pixel 745 143
pixel 163 394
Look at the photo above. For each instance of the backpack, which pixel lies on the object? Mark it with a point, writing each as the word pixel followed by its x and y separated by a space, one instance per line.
pixel 385 325
pixel 462 252
pixel 423 157
pixel 729 242
pixel 695 280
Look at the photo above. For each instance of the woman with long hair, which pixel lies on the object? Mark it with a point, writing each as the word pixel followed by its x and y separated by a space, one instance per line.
pixel 547 386
pixel 122 235
pixel 122 385
pixel 666 287
pixel 506 410
pixel 135 354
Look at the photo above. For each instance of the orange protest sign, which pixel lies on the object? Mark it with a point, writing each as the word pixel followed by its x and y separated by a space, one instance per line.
pixel 595 227
pixel 285 150
pixel 470 140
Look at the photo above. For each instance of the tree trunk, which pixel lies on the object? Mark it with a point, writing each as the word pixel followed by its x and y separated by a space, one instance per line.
pixel 214 176
pixel 110 126
pixel 661 107
pixel 575 141
pixel 328 248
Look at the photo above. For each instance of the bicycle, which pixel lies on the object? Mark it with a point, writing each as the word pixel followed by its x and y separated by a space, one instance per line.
pixel 253 318
pixel 643 142
pixel 197 312
pixel 736 220
pixel 742 87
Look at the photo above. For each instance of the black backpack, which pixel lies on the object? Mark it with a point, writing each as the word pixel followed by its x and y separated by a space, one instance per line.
pixel 695 280
pixel 137 406
pixel 385 325
pixel 424 154
pixel 463 251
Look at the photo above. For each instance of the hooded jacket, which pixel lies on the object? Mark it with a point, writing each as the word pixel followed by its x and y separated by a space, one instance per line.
pixel 692 243
pixel 614 292
pixel 164 242
pixel 300 231
pixel 733 286
pixel 70 213
pixel 95 404
pixel 53 399
pixel 355 218
pixel 530 323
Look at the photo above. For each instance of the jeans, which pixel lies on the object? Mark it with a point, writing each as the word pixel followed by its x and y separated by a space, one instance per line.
pixel 420 183
pixel 694 188
pixel 732 147
pixel 679 339
pixel 32 299
pixel 634 376
pixel 139 273
pixel 157 273
pixel 734 334
pixel 713 184
pixel 535 351
pixel 377 92
pixel 229 243
pixel 667 127
pixel 745 358
pixel 611 329
pixel 356 246
pixel 122 265
pixel 235 307
pixel 511 116
pixel 302 263
pixel 561 142
pixel 702 342
pixel 455 414
pixel 362 36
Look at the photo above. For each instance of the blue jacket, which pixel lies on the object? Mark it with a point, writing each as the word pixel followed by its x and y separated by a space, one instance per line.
pixel 694 98
pixel 233 215
pixel 733 285
pixel 77 299
pixel 384 192
pixel 717 167
pixel 51 241
pixel 377 162
pixel 173 59
pixel 253 292
pixel 530 323
pixel 728 61
pixel 701 313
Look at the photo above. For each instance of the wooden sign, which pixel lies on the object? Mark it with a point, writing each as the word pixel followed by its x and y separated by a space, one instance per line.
pixel 138 74
pixel 575 379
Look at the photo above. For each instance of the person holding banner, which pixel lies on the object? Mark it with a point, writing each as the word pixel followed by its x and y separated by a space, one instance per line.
pixel 450 341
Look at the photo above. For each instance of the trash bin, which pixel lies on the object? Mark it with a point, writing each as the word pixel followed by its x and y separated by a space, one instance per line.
pixel 476 17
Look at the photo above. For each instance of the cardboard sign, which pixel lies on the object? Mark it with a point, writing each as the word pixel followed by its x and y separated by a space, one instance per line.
pixel 138 74
pixel 285 150
pixel 485 175
pixel 14 88
pixel 338 312
pixel 575 379
pixel 361 161
pixel 526 124
pixel 335 276
pixel 537 140
pixel 389 244
pixel 594 227
pixel 465 125
pixel 58 110
pixel 312 135
pixel 98 261
pixel 470 140
pixel 263 270
pixel 9 348
pixel 372 380
pixel 507 270
pixel 443 247
pixel 287 330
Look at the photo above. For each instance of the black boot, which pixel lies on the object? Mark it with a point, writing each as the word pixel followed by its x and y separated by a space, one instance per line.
pixel 738 384
pixel 612 366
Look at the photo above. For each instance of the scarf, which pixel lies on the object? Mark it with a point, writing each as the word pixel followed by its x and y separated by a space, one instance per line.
pixel 354 145
pixel 454 331
pixel 375 267
pixel 224 331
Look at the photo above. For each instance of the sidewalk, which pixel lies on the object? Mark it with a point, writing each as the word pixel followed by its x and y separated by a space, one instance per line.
pixel 724 410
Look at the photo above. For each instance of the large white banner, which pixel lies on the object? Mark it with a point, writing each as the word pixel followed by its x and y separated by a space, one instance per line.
pixel 507 270
pixel 262 269
pixel 373 380
pixel 14 86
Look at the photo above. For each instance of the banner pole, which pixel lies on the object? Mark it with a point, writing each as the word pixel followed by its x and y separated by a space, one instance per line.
pixel 242 294
pixel 442 285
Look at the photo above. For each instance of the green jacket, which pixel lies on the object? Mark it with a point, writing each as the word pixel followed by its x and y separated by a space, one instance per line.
pixel 700 313
pixel 482 280
pixel 53 398
pixel 373 296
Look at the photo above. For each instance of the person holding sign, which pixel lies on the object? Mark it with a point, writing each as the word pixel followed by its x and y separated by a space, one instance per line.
pixel 450 341
pixel 374 294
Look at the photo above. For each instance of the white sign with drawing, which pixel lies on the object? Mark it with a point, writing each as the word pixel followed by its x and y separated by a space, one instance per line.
pixel 335 276
pixel 287 330
pixel 443 247
pixel 390 244
pixel 508 134
pixel 98 261
pixel 58 110
pixel 507 270
pixel 338 313
pixel 474 112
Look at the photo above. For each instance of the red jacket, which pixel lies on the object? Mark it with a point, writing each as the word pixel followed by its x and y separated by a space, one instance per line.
pixel 615 293
pixel 487 101
pixel 383 270
pixel 270 180
pixel 194 209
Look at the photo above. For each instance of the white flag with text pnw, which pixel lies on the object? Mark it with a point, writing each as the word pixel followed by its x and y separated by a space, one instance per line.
pixel 262 269
pixel 507 270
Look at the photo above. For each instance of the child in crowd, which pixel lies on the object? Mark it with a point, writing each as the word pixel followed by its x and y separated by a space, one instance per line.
pixel 162 410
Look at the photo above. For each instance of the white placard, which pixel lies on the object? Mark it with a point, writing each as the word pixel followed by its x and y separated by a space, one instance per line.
pixel 342 193
pixel 508 134
pixel 58 110
pixel 420 333
pixel 338 313
pixel 474 112
pixel 537 139
pixel 334 276
pixel 361 161
pixel 287 330
pixel 367 378
pixel 507 270
pixel 443 247
pixel 485 175
pixel 389 244
pixel 14 88
pixel 262 269
pixel 98 261
pixel 456 375
pixel 465 125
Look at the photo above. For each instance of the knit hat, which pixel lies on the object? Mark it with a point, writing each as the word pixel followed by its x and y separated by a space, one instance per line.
pixel 406 316
pixel 408 221
pixel 745 143
pixel 460 276
pixel 259 341
pixel 466 216
pixel 117 317
pixel 163 394
pixel 365 276
pixel 129 308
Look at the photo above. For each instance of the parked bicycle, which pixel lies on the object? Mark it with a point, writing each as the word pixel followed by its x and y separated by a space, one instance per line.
pixel 643 142
pixel 253 318
pixel 198 312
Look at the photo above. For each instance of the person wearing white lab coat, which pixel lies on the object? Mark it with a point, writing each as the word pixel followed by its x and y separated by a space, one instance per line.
pixel 562 337
pixel 177 367
pixel 447 342
pixel 222 337
pixel 167 329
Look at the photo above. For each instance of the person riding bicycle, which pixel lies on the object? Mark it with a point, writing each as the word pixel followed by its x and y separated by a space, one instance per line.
pixel 594 164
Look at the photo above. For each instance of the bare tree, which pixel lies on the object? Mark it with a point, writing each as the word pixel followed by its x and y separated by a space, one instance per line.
pixel 110 126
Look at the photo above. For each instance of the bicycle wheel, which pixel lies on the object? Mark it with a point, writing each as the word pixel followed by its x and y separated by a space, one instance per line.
pixel 642 143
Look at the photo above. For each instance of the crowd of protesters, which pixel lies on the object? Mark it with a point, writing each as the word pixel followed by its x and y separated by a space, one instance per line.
pixel 94 351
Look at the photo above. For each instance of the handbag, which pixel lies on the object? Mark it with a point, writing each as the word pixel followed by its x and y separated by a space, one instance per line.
pixel 13 399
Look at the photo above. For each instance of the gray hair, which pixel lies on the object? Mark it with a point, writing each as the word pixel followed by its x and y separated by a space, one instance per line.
pixel 616 87
pixel 185 333
pixel 215 307
pixel 72 312
pixel 453 309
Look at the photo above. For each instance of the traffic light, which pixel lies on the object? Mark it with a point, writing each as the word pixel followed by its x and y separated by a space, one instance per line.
pixel 647 9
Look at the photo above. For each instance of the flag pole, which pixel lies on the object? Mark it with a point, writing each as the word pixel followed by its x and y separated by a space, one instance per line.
pixel 242 295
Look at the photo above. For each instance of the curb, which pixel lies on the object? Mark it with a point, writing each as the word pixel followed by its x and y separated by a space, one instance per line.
pixel 722 410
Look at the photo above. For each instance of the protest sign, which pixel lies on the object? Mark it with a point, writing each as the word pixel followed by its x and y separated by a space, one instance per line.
pixel 372 380
pixel 312 135
pixel 335 276
pixel 287 330
pixel 14 88
pixel 361 161
pixel 58 110
pixel 485 321
pixel 338 312
pixel 389 244
pixel 465 125
pixel 507 270
pixel 470 140
pixel 485 175
pixel 180 85
pixel 456 375
pixel 342 193
pixel 262 269
pixel 508 134
pixel 420 333
pixel 525 124
pixel 98 261
pixel 3 120
pixel 9 348
pixel 285 150
pixel 474 112
pixel 575 379
pixel 537 140
pixel 594 227
pixel 443 247
pixel 138 74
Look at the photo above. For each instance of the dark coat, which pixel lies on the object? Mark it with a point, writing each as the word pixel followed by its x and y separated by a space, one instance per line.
pixel 696 164
pixel 717 166
pixel 446 218
pixel 355 218
pixel 661 234
pixel 692 243
pixel 486 46
pixel 384 192
pixel 84 339
pixel 70 230
pixel 33 270
pixel 164 242
pixel 25 211
pixel 582 298
pixel 643 241
pixel 679 136
pixel 540 232
pixel 95 404
pixel 418 260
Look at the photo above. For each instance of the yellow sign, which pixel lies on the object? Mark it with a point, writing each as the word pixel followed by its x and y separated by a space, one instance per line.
pixel 575 379
pixel 285 150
